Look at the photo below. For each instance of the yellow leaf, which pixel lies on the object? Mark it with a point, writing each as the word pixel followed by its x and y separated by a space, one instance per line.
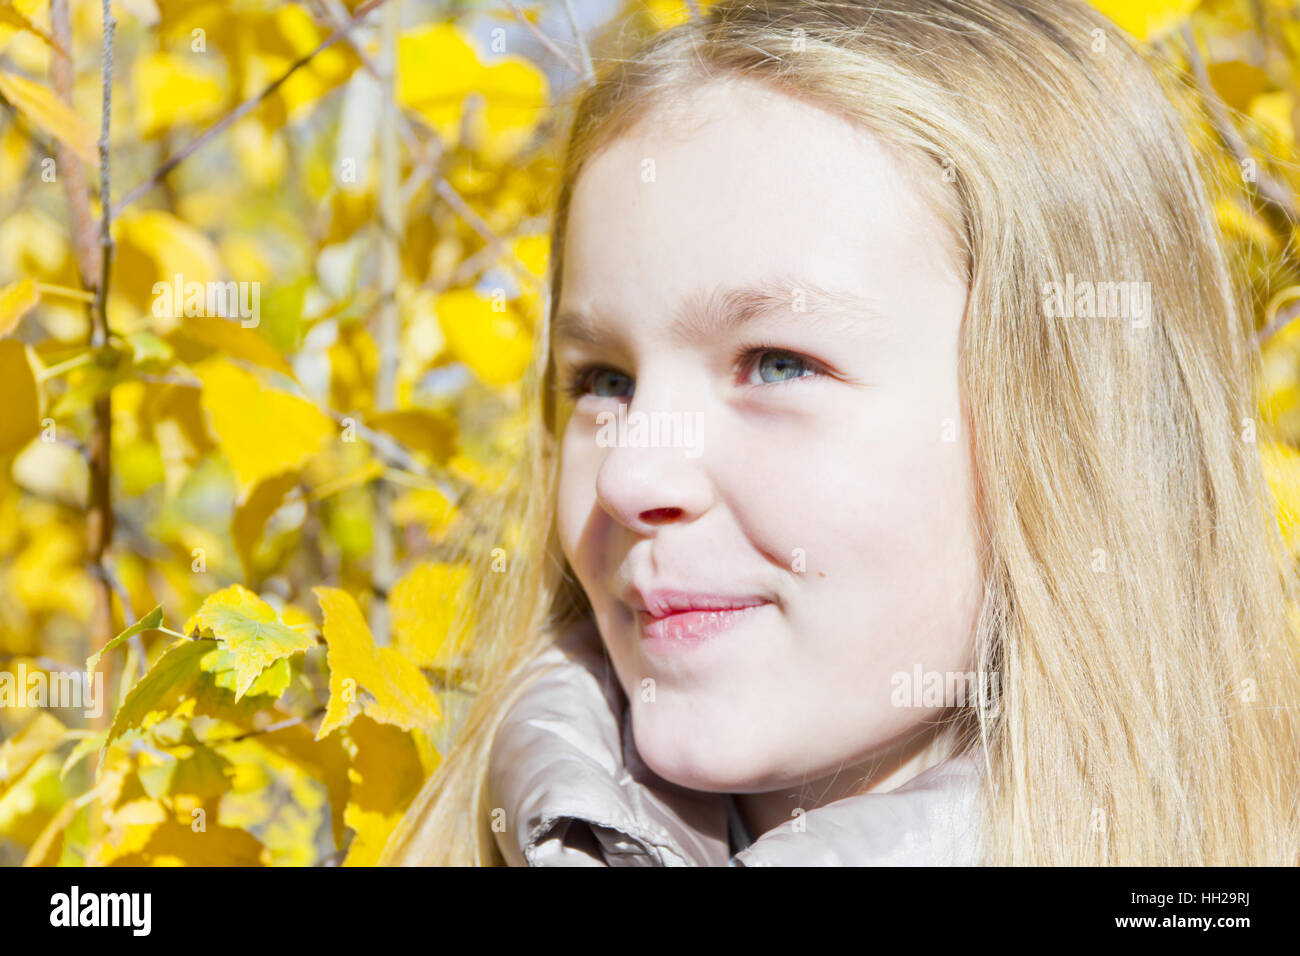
pixel 516 97
pixel 251 632
pixel 425 604
pixel 173 90
pixel 262 153
pixel 45 110
pixel 419 429
pixel 1282 471
pixel 212 333
pixel 399 693
pixel 251 515
pixel 386 773
pixel 153 249
pixel 171 679
pixel 437 67
pixel 1238 82
pixel 1146 19
pixel 19 397
pixel 494 345
pixel 176 844
pixel 20 751
pixel 533 252
pixel 263 431
pixel 1274 111
pixel 20 16
pixel 17 300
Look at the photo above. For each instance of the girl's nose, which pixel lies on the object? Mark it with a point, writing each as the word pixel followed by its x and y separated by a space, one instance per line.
pixel 644 488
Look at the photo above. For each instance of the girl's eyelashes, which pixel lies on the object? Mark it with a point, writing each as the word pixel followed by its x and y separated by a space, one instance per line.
pixel 783 363
pixel 586 377
pixel 774 366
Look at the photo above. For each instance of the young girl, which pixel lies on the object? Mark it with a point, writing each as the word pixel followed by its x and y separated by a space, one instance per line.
pixel 894 496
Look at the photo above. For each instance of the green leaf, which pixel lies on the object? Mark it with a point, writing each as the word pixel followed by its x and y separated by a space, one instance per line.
pixel 250 631
pixel 150 622
pixel 172 677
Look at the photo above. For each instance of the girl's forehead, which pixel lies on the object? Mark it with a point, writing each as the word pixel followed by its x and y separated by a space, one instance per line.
pixel 761 181
pixel 651 223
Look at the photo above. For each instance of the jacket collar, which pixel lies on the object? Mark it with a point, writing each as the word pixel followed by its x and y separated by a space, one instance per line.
pixel 568 788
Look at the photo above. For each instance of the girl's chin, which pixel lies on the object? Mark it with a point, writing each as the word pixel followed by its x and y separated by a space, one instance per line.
pixel 696 760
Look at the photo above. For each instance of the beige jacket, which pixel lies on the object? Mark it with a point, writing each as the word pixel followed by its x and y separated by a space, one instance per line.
pixel 574 791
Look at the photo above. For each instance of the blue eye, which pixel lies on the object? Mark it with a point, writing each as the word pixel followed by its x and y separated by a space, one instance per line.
pixel 775 367
pixel 602 382
pixel 782 366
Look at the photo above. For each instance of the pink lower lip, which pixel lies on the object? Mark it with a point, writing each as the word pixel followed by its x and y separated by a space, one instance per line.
pixel 687 629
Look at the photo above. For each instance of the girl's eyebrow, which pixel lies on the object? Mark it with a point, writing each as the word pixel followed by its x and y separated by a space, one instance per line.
pixel 707 313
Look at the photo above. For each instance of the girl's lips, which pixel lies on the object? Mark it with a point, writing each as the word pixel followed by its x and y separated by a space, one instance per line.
pixel 688 629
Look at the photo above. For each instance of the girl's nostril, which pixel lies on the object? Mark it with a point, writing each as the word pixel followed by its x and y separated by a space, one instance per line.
pixel 660 514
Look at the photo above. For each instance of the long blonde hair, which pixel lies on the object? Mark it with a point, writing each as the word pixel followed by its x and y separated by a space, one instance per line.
pixel 1137 590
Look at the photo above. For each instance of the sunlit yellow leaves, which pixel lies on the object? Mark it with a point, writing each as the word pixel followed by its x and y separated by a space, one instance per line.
pixel 262 153
pixel 22 750
pixel 386 774
pixel 31 800
pixel 262 430
pixel 1238 82
pixel 417 429
pixel 45 110
pixel 171 90
pixel 514 96
pixel 170 843
pixel 1146 19
pixel 155 247
pixel 32 243
pixel 46 574
pixel 1241 222
pixel 353 364
pixel 424 506
pixel 19 397
pixel 395 692
pixel 493 344
pixel 668 13
pixel 16 300
pixel 250 632
pixel 188 769
pixel 438 67
pixel 287 35
pixel 426 605
pixel 1282 471
pixel 533 253
pixel 20 15
pixel 251 515
pixel 199 336
pixel 170 680
pixel 1274 111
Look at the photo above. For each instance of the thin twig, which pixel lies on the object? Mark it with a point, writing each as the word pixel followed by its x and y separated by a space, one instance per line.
pixel 383 563
pixel 70 168
pixel 588 71
pixel 543 39
pixel 243 109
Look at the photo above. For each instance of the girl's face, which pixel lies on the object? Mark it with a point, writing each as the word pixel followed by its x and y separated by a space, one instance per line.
pixel 767 294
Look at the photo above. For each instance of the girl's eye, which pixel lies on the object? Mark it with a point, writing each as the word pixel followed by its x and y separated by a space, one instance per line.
pixel 602 382
pixel 775 366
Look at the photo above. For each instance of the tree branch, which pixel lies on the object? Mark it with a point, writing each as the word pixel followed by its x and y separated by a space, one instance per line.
pixel 239 112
